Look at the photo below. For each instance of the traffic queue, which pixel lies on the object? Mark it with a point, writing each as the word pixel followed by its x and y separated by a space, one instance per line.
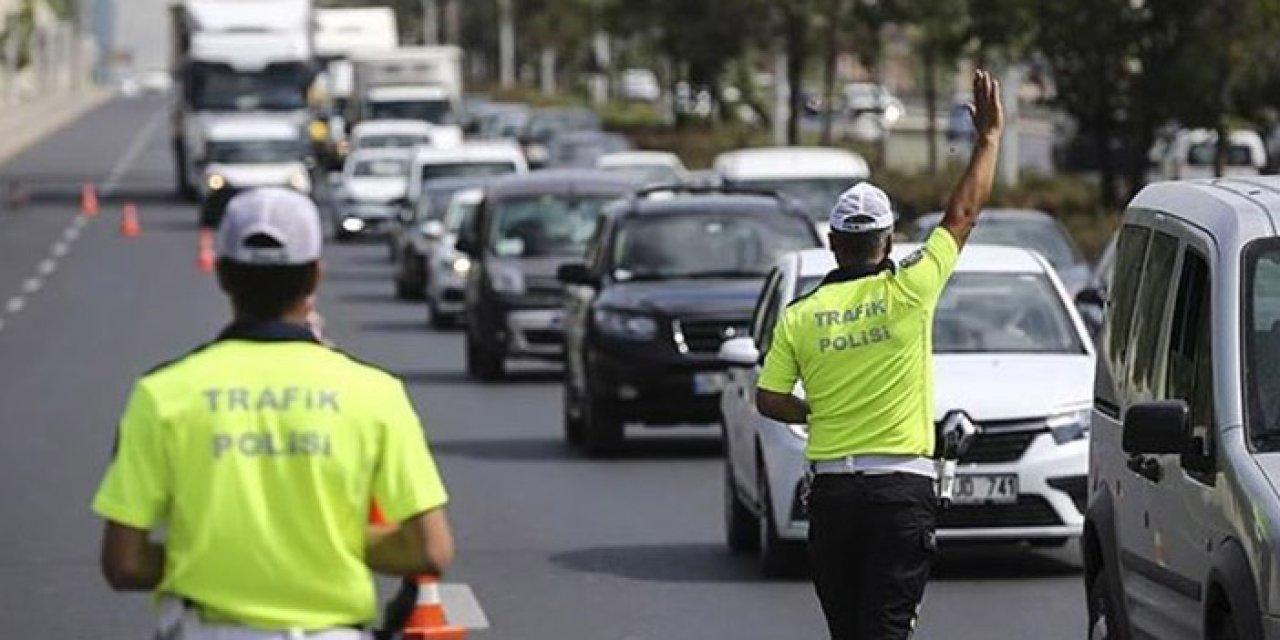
pixel 658 289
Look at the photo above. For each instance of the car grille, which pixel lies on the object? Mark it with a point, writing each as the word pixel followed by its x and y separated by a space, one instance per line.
pixel 706 336
pixel 1028 511
pixel 1002 442
pixel 544 337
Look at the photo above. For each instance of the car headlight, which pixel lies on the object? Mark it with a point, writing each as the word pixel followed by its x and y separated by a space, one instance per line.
pixel 352 225
pixel 460 266
pixel 1070 425
pixel 300 181
pixel 620 324
pixel 506 280
pixel 216 182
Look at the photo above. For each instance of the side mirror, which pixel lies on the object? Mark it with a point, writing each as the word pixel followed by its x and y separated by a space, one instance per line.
pixel 1155 428
pixel 433 229
pixel 1091 297
pixel 575 273
pixel 739 352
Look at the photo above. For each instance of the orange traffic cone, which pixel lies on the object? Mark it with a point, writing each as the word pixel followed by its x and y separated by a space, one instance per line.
pixel 89 200
pixel 427 621
pixel 205 257
pixel 129 225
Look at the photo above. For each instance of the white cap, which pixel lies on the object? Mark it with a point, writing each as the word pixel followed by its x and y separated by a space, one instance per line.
pixel 272 226
pixel 862 208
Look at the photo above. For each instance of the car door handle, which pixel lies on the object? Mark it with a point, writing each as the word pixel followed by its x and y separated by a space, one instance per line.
pixel 1146 467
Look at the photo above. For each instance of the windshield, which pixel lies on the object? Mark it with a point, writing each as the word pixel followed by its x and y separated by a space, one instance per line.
pixel 435 200
pixel 215 87
pixel 545 126
pixel 648 174
pixel 466 170
pixel 543 226
pixel 433 111
pixel 460 212
pixel 1203 154
pixel 1002 313
pixel 255 152
pixel 400 141
pixel 815 195
pixel 1262 339
pixel 1038 234
pixel 705 245
pixel 381 168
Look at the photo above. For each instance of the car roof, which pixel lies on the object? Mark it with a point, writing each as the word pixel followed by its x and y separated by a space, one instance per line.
pixel 253 129
pixel 468 151
pixel 1232 210
pixel 546 181
pixel 791 162
pixel 639 158
pixel 374 127
pixel 414 92
pixel 663 203
pixel 974 259
pixel 379 154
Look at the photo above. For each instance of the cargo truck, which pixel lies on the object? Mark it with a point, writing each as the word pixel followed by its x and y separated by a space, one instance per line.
pixel 413 83
pixel 236 57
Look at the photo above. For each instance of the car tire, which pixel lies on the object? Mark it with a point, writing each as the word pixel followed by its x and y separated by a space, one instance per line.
pixel 602 427
pixel 573 416
pixel 437 318
pixel 778 558
pixel 1102 607
pixel 404 290
pixel 739 523
pixel 484 364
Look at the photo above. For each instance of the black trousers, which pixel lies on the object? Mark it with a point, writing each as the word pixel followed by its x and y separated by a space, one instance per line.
pixel 871 546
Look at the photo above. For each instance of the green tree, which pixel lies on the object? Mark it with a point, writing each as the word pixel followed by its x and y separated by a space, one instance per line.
pixel 941 34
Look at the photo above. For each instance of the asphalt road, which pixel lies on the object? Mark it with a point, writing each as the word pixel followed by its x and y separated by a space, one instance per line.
pixel 552 544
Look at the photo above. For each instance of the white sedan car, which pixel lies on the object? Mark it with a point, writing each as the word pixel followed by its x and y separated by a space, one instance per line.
pixel 1010 352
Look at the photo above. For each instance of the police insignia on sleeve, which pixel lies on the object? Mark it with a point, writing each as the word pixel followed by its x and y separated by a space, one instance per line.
pixel 913 258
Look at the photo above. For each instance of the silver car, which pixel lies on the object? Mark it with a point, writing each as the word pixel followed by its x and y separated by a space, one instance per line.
pixel 1181 528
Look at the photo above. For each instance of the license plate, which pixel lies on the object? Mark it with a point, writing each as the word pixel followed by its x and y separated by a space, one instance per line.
pixel 985 489
pixel 710 382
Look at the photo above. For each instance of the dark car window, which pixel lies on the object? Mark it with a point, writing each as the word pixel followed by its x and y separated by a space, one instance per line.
pixel 392 141
pixel 466 170
pixel 1190 356
pixel 381 168
pixel 542 226
pixel 759 318
pixel 1262 343
pixel 255 151
pixel 705 245
pixel 1143 380
pixel 1131 254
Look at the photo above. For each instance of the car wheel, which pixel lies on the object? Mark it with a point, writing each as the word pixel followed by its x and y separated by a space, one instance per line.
pixel 739 522
pixel 1102 609
pixel 573 418
pixel 778 558
pixel 404 288
pixel 483 364
pixel 603 426
pixel 437 318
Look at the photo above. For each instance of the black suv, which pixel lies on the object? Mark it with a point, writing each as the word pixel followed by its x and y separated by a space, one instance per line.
pixel 524 230
pixel 672 273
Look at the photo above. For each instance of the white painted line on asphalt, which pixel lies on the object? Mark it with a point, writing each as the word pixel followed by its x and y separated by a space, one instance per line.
pixel 59 249
pixel 461 606
pixel 72 233
pixel 47 267
pixel 79 222
pixel 15 304
pixel 126 161
pixel 1 324
pixel 32 285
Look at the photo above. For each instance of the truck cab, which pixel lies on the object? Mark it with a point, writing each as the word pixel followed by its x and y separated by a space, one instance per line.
pixel 248 152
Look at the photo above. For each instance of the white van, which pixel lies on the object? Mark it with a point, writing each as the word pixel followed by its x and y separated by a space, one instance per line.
pixel 813 176
pixel 467 160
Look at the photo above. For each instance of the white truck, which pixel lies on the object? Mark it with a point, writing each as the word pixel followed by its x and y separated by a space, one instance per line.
pixel 236 57
pixel 342 33
pixel 415 83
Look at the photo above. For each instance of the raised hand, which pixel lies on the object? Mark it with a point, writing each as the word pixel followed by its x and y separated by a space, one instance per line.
pixel 986 110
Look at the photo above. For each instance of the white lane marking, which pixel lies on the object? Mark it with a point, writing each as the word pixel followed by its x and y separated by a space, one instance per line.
pixel 461 606
pixel 15 304
pixel 59 249
pixel 32 285
pixel 131 154
pixel 47 267
pixel 1 324
pixel 71 234
pixel 79 221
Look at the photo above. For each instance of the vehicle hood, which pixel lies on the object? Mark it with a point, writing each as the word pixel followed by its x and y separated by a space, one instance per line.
pixel 718 297
pixel 375 189
pixel 257 175
pixel 1011 387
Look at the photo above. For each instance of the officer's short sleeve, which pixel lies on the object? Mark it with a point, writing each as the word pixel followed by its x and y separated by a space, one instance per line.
pixel 138 482
pixel 924 273
pixel 781 369
pixel 406 481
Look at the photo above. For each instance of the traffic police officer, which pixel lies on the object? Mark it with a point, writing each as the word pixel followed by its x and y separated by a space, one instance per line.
pixel 260 454
pixel 861 344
